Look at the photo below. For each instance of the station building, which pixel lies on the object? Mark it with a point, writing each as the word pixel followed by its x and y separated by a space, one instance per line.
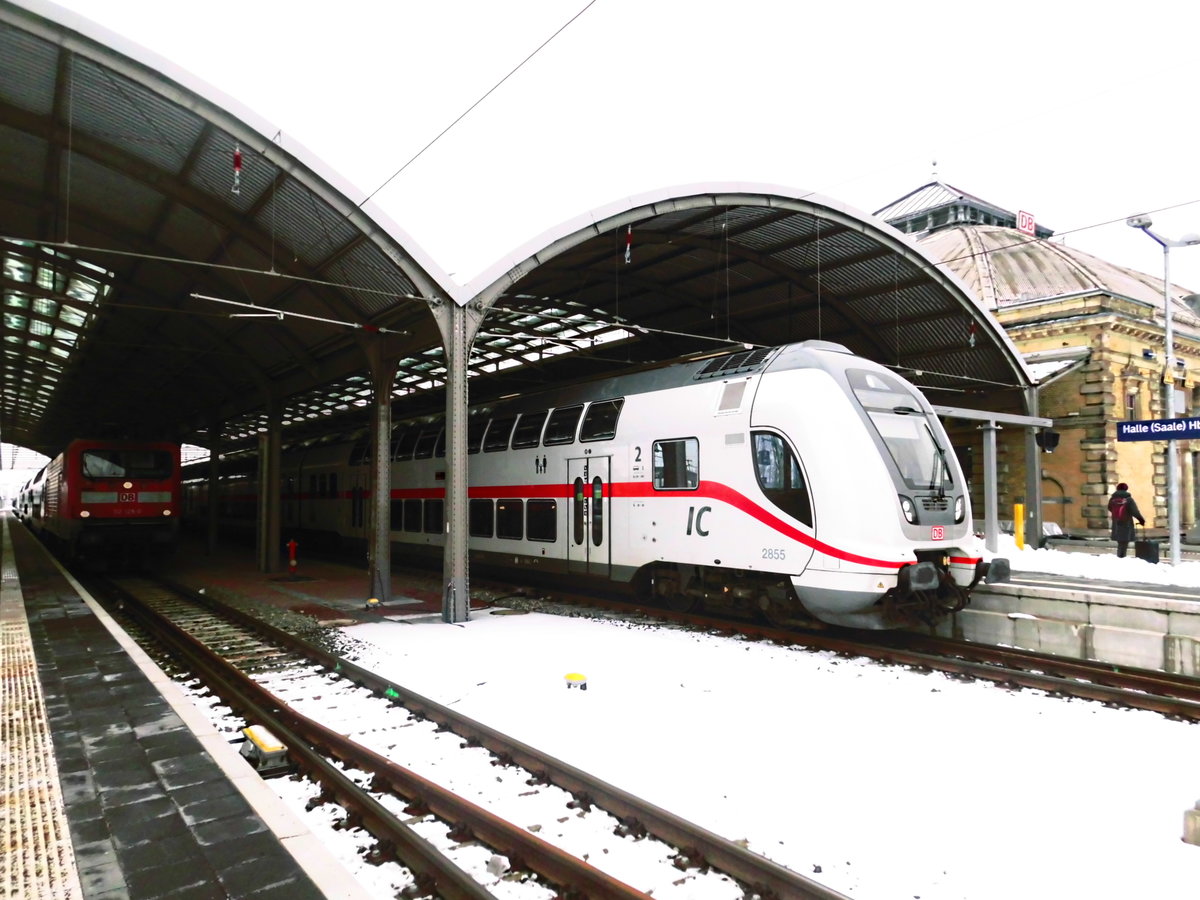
pixel 1093 333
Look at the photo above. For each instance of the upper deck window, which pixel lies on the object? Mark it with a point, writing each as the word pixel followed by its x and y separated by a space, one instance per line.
pixel 475 429
pixel 427 441
pixel 561 427
pixel 498 434
pixel 600 423
pixel 528 432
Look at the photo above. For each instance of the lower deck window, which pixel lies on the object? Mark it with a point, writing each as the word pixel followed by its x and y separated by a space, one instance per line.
pixel 481 518
pixel 412 515
pixel 434 516
pixel 541 520
pixel 510 515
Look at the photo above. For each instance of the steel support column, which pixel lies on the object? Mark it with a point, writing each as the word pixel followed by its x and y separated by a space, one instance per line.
pixel 459 325
pixel 991 526
pixel 270 488
pixel 383 376
pixel 1033 475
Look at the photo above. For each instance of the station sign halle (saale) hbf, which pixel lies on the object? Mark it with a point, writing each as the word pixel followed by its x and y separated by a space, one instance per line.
pixel 1158 430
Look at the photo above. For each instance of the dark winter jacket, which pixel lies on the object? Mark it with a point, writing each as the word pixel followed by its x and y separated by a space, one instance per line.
pixel 1123 531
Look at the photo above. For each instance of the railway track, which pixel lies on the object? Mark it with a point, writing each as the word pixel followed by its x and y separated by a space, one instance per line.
pixel 1177 696
pixel 380 752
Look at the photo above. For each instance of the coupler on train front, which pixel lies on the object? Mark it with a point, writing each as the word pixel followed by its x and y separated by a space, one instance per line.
pixel 927 592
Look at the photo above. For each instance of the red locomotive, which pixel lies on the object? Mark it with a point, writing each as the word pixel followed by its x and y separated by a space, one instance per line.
pixel 104 498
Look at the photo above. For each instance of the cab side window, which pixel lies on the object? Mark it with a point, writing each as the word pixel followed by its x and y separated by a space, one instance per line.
pixel 779 475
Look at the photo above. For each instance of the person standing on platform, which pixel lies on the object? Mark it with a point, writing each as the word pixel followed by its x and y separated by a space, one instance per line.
pixel 1124 510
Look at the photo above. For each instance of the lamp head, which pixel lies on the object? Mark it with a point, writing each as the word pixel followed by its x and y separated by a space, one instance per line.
pixel 1139 222
pixel 1190 240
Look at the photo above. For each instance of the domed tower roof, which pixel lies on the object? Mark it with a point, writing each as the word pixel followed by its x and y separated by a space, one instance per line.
pixel 979 242
pixel 1004 266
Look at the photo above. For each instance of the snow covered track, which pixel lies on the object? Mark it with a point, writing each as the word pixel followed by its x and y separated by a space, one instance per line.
pixel 375 727
pixel 1174 695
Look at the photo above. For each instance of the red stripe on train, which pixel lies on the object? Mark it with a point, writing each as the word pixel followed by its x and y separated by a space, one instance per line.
pixel 709 490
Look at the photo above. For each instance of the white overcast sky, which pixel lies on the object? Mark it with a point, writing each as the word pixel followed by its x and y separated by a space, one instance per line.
pixel 1082 114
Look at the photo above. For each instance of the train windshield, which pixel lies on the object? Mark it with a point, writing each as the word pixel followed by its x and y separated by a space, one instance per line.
pixel 901 422
pixel 105 462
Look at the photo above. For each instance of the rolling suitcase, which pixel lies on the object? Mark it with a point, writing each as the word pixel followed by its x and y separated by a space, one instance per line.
pixel 1144 548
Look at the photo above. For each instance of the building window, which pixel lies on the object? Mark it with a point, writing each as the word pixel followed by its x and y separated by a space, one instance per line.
pixel 1132 390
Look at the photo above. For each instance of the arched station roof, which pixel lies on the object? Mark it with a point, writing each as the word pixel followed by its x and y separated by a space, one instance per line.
pixel 693 267
pixel 119 202
pixel 121 208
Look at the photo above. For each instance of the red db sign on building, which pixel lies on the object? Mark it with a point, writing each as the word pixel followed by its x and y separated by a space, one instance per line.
pixel 1025 223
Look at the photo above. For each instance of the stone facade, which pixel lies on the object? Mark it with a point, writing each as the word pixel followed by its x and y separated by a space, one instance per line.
pixel 1106 324
pixel 1118 381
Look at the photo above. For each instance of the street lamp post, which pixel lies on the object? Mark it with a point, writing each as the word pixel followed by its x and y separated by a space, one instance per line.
pixel 1143 223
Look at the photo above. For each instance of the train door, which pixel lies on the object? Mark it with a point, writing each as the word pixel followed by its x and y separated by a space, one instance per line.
pixel 588 526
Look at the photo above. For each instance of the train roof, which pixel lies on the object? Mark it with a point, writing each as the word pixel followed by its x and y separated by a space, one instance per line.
pixel 713 366
pixel 747 361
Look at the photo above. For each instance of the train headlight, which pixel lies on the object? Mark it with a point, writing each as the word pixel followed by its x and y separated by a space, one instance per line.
pixel 910 511
pixel 960 509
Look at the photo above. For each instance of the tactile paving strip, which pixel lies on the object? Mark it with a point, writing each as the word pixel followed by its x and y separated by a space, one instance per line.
pixel 38 860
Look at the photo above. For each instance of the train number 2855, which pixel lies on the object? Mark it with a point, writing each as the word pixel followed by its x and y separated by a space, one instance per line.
pixel 774 553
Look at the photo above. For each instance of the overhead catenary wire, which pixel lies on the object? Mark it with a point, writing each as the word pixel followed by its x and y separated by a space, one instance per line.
pixel 280 314
pixel 486 94
pixel 321 282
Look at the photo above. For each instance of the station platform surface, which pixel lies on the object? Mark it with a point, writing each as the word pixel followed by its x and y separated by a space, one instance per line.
pixel 114 785
pixel 331 592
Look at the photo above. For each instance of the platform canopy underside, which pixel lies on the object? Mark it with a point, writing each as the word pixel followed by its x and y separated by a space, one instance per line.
pixel 154 287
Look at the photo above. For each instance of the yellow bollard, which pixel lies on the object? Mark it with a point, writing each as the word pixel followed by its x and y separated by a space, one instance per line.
pixel 576 680
pixel 1019 524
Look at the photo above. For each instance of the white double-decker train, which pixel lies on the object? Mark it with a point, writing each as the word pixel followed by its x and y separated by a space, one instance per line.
pixel 796 482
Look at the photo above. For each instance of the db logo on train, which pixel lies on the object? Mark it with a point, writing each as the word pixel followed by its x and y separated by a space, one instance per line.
pixel 937 533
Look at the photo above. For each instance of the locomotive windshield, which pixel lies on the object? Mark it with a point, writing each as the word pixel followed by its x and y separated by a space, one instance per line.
pixel 901 422
pixel 105 462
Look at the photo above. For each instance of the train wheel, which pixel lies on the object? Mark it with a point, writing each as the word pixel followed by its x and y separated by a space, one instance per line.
pixel 773 613
pixel 643 588
pixel 784 612
pixel 681 603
